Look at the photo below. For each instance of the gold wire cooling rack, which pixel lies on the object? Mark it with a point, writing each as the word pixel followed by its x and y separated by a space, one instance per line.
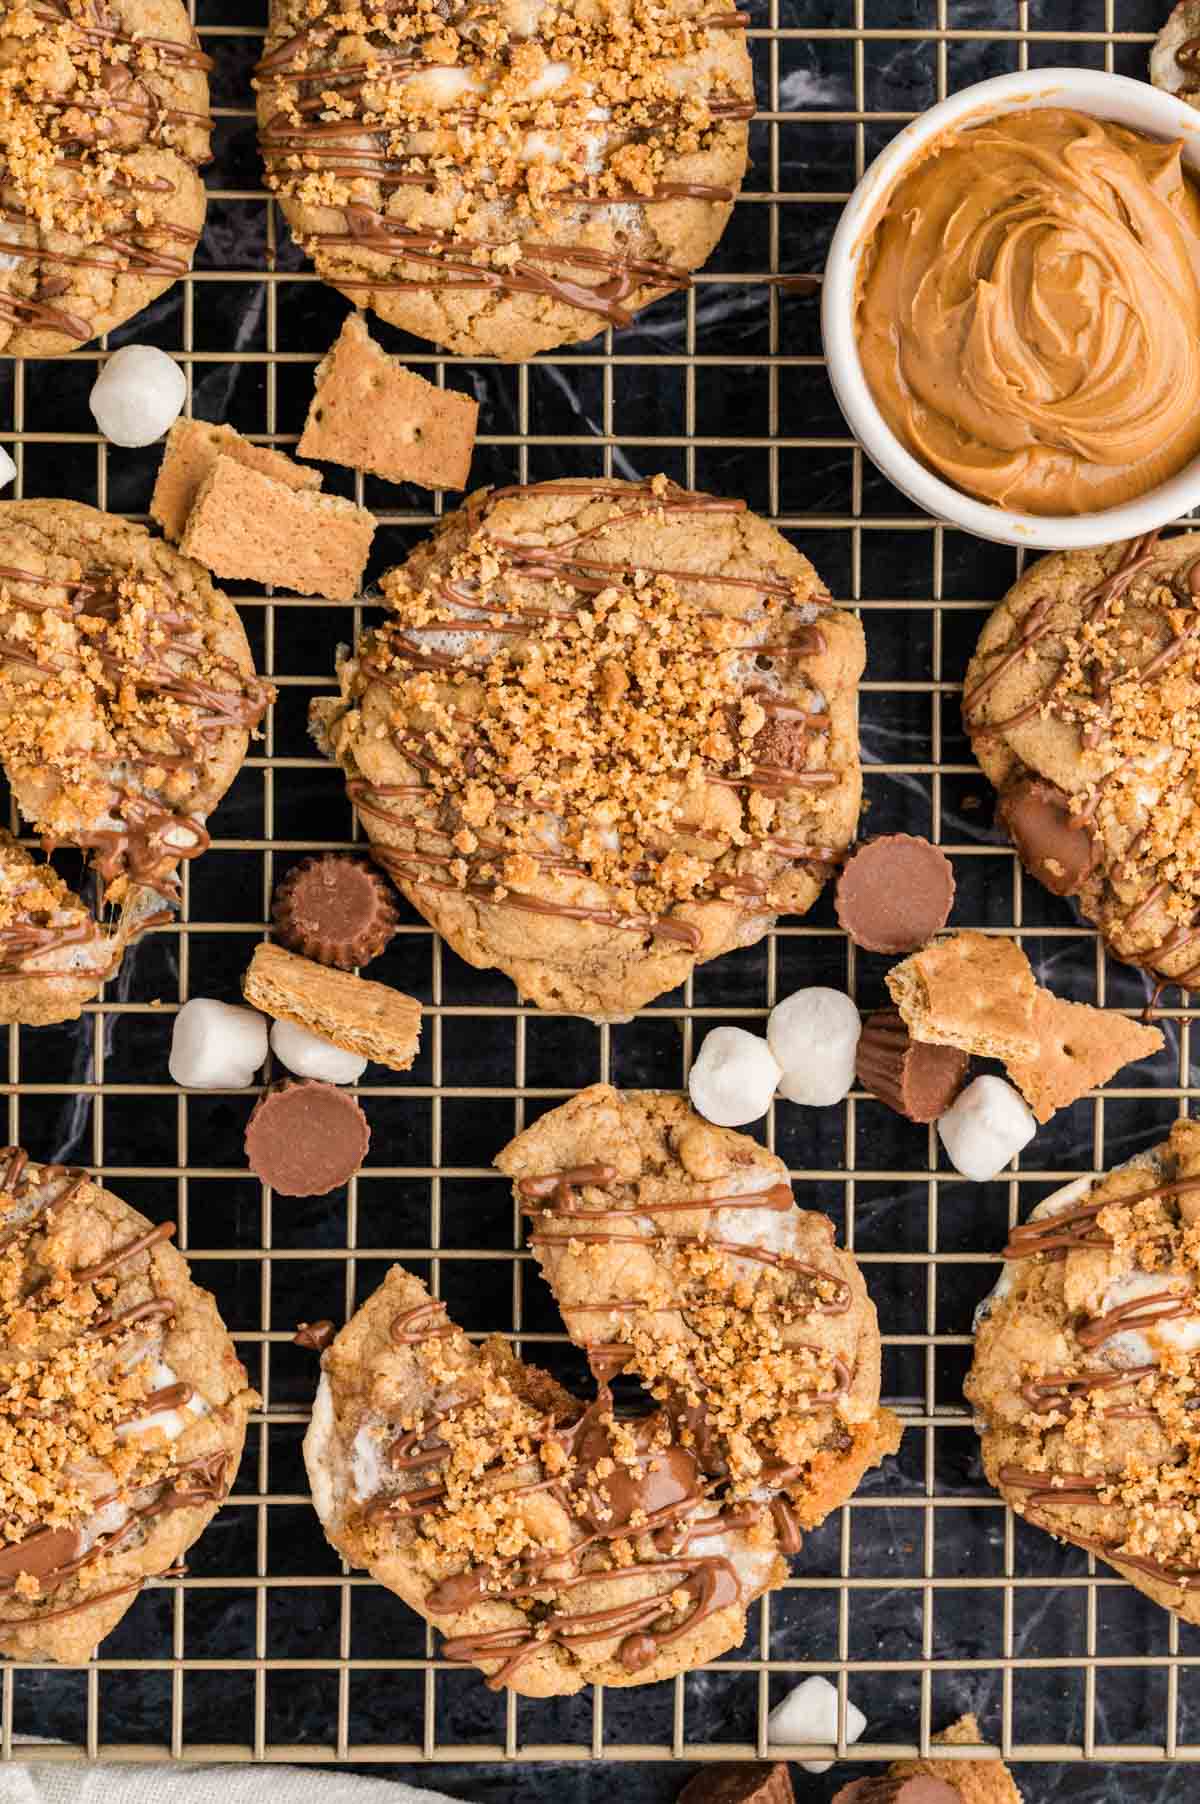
pixel 923 1597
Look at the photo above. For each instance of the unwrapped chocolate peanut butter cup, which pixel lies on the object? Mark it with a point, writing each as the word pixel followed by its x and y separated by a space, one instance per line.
pixel 895 893
pixel 336 910
pixel 918 1081
pixel 1052 842
pixel 306 1138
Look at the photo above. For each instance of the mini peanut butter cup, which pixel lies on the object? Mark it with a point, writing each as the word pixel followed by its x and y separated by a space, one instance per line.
pixel 918 1081
pixel 1053 843
pixel 306 1138
pixel 336 910
pixel 739 1782
pixel 889 1788
pixel 895 893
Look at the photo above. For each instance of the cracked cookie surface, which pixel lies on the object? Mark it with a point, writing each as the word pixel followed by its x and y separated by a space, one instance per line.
pixel 506 177
pixel 104 122
pixel 605 732
pixel 558 1544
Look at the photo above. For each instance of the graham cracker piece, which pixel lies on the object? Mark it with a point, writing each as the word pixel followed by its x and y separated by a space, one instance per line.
pixel 370 413
pixel 972 991
pixel 245 524
pixel 1079 1048
pixel 371 1019
pixel 193 447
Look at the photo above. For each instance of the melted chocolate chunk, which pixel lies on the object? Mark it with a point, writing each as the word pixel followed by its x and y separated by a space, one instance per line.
pixel 316 1336
pixel 783 742
pixel 1051 842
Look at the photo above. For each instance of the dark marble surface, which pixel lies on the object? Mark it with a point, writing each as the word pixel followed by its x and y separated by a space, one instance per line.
pixel 929 1514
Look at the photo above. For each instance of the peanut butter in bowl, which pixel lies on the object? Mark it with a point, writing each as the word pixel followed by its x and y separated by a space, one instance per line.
pixel 1027 311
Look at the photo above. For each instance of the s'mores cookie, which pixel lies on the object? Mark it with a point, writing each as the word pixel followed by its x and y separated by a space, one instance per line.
pixel 556 1544
pixel 606 731
pixel 1175 53
pixel 127 691
pixel 1082 1382
pixel 54 955
pixel 515 184
pixel 124 1411
pixel 105 125
pixel 1082 702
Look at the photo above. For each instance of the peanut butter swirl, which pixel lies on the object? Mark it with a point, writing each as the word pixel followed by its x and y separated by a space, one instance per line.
pixel 1029 312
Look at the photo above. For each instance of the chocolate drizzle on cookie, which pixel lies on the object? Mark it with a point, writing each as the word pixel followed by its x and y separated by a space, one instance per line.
pixel 1110 693
pixel 621 1482
pixel 450 103
pixel 45 931
pixel 1135 1248
pixel 467 818
pixel 68 155
pixel 1061 1231
pixel 68 1411
pixel 138 668
pixel 556 1194
pixel 648 1496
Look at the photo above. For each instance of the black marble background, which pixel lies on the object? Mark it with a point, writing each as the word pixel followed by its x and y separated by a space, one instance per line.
pixel 926 1549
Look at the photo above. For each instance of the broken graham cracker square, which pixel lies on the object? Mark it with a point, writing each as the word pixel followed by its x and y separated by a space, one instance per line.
pixel 1079 1048
pixel 972 991
pixel 245 524
pixel 371 1019
pixel 193 447
pixel 370 413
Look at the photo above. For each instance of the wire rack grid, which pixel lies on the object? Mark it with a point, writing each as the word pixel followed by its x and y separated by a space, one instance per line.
pixel 923 1597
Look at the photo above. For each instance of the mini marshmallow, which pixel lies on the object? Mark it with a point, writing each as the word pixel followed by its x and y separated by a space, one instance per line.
pixel 814 1035
pixel 307 1055
pixel 810 1714
pixel 215 1046
pixel 138 394
pixel 734 1077
pixel 984 1127
pixel 8 468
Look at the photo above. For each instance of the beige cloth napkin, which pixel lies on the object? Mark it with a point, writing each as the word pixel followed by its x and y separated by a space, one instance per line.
pixel 73 1783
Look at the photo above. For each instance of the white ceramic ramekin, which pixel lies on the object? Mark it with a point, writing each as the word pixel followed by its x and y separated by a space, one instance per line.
pixel 1114 97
